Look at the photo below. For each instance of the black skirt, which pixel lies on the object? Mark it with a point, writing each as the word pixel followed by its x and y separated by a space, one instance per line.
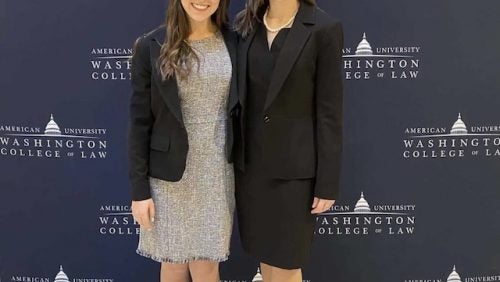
pixel 274 217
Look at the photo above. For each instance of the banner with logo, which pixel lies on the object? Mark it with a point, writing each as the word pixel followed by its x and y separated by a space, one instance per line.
pixel 420 186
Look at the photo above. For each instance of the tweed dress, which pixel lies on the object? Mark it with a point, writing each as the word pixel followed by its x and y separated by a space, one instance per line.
pixel 194 216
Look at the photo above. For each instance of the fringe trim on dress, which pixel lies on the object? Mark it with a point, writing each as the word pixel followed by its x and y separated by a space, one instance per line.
pixel 168 260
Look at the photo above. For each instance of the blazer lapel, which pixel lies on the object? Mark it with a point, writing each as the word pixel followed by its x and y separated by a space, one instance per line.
pixel 168 88
pixel 242 68
pixel 294 43
pixel 230 39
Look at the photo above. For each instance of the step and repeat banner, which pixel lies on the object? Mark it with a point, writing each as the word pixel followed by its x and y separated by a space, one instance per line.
pixel 420 195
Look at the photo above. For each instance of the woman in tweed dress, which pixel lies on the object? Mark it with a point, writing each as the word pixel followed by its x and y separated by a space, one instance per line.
pixel 180 140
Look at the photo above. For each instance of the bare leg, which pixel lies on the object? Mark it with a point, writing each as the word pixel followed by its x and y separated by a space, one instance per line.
pixel 266 272
pixel 276 274
pixel 204 271
pixel 171 272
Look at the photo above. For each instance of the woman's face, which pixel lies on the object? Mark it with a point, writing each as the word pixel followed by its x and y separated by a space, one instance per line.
pixel 200 10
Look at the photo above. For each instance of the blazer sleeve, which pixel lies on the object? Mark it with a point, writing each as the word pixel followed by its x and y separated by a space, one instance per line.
pixel 141 121
pixel 329 99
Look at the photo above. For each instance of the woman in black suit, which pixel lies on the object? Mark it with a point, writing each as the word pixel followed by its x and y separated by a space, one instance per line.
pixel 289 152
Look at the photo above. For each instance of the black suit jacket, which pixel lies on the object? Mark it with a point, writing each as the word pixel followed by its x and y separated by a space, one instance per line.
pixel 158 142
pixel 303 110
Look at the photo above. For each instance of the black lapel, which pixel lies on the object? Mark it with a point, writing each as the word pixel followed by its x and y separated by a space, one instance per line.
pixel 168 88
pixel 294 43
pixel 243 47
pixel 231 41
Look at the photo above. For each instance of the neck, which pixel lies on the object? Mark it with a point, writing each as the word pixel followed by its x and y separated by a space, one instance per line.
pixel 282 9
pixel 200 30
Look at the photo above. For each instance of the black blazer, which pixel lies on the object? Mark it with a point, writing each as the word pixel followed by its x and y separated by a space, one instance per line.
pixel 303 111
pixel 158 142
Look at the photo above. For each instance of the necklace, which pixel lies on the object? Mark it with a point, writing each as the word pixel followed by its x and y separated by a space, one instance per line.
pixel 274 30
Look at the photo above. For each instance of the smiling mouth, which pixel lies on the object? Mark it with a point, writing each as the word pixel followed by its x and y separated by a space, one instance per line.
pixel 200 7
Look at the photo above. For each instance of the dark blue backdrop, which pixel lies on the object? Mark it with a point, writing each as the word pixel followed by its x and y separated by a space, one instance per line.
pixel 430 181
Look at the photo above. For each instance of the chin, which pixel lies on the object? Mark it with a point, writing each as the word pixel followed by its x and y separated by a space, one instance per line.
pixel 199 18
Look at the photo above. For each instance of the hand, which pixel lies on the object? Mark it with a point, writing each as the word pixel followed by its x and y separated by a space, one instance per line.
pixel 321 205
pixel 144 213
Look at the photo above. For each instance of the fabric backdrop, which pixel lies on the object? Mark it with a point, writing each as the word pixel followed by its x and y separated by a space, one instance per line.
pixel 421 171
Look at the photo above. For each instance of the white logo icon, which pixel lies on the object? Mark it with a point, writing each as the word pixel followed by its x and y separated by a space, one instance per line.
pixel 61 276
pixel 459 127
pixel 362 205
pixel 258 276
pixel 52 128
pixel 454 277
pixel 365 49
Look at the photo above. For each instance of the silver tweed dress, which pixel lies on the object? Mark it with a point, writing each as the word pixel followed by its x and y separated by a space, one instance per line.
pixel 194 216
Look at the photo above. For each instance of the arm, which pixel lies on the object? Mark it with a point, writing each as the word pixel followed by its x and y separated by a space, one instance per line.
pixel 329 112
pixel 141 121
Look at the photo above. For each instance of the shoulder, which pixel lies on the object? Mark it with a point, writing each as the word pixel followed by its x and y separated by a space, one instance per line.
pixel 326 29
pixel 141 47
pixel 158 33
pixel 326 23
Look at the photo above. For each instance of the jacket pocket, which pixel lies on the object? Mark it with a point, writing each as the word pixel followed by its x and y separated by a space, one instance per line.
pixel 159 143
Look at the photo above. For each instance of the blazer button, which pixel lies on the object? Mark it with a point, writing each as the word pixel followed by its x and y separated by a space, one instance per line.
pixel 267 119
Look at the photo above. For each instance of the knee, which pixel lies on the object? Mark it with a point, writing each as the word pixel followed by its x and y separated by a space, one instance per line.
pixel 177 268
pixel 204 267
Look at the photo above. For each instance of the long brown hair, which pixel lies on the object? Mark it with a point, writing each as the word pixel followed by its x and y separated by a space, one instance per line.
pixel 176 55
pixel 245 20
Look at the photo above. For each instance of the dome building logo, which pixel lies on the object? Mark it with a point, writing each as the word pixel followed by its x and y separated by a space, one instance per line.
pixel 110 64
pixel 459 127
pixel 394 62
pixel 362 205
pixel 61 276
pixel 53 141
pixel 460 140
pixel 454 276
pixel 364 219
pixel 258 276
pixel 364 48
pixel 52 128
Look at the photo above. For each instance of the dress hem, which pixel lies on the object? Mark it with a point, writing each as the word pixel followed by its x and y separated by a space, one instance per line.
pixel 176 261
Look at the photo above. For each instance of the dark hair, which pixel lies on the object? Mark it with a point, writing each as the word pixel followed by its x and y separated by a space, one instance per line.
pixel 176 55
pixel 246 19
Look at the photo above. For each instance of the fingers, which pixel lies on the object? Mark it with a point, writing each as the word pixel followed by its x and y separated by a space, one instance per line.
pixel 137 219
pixel 315 202
pixel 135 213
pixel 152 212
pixel 322 206
pixel 146 221
pixel 144 213
pixel 319 208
